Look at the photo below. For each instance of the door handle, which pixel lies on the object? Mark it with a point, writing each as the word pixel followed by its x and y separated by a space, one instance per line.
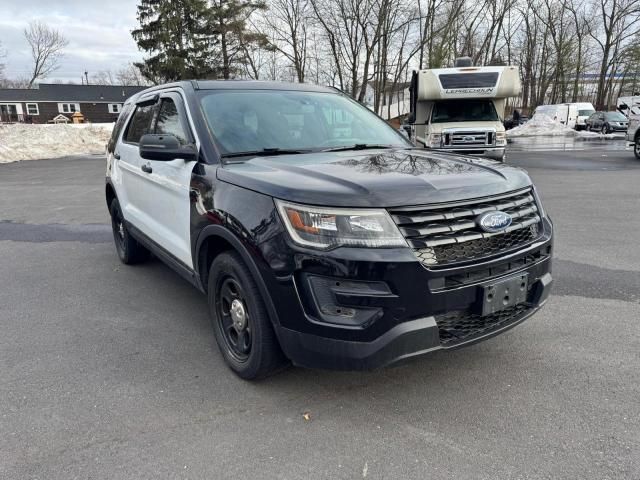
pixel 146 168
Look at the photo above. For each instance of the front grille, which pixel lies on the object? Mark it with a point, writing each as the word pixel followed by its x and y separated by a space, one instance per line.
pixel 448 234
pixel 459 326
pixel 469 139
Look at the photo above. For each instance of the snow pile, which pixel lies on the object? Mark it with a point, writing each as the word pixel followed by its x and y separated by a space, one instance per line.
pixel 32 142
pixel 541 125
pixel 585 135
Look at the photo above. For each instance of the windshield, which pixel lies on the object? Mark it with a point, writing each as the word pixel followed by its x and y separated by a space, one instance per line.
pixel 615 116
pixel 463 111
pixel 585 113
pixel 255 120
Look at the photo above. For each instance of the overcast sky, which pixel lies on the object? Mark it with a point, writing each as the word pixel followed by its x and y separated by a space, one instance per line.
pixel 99 34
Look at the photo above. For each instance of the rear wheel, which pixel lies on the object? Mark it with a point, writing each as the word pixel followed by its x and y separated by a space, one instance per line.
pixel 129 250
pixel 241 324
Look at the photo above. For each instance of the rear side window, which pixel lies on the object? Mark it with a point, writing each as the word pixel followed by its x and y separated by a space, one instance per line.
pixel 169 121
pixel 140 123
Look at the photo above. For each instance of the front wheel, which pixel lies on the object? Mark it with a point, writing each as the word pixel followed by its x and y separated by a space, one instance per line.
pixel 241 324
pixel 605 129
pixel 636 148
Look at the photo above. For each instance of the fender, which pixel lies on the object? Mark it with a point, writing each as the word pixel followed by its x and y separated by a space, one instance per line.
pixel 222 232
pixel 109 185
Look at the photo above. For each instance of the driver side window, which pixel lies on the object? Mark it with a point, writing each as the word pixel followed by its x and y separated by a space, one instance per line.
pixel 170 122
pixel 140 123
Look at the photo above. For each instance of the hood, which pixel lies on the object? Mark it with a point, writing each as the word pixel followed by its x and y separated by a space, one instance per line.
pixel 374 178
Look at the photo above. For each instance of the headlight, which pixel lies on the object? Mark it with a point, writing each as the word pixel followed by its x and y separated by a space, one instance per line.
pixel 332 227
pixel 435 139
pixel 501 138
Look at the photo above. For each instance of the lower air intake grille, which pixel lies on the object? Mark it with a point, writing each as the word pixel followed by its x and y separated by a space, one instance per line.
pixel 457 252
pixel 456 327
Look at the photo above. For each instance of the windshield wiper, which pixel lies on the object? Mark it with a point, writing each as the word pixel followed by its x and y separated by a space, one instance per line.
pixel 358 146
pixel 265 152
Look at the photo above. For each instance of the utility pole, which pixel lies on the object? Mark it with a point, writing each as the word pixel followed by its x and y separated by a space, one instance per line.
pixel 86 76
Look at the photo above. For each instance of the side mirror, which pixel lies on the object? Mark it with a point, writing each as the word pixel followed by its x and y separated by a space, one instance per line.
pixel 164 148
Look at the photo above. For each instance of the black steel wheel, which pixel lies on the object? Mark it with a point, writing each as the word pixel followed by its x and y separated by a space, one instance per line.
pixel 129 250
pixel 232 312
pixel 241 324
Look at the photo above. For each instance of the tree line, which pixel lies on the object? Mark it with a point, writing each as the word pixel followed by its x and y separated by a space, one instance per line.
pixel 567 50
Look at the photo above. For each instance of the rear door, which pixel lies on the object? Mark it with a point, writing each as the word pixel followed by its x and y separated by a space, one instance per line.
pixel 131 177
pixel 165 189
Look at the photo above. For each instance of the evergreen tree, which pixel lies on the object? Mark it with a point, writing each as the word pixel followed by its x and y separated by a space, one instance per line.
pixel 177 36
pixel 229 19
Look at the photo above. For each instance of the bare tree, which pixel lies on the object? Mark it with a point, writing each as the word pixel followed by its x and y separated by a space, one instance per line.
pixel 288 19
pixel 619 21
pixel 46 45
pixel 104 77
pixel 567 50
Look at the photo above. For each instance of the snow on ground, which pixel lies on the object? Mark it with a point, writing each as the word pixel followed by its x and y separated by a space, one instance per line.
pixel 540 125
pixel 545 126
pixel 32 142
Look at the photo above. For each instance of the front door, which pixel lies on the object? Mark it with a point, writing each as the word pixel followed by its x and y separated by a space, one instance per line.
pixel 165 193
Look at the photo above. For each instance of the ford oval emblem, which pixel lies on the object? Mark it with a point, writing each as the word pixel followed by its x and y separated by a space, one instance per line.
pixel 494 221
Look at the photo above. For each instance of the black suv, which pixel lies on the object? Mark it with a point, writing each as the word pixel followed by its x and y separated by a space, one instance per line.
pixel 320 235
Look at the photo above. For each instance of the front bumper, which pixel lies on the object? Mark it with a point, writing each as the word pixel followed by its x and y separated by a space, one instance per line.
pixel 402 308
pixel 404 341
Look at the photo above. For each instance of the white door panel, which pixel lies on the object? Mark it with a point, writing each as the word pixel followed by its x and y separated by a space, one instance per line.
pixel 167 205
pixel 132 184
pixel 165 191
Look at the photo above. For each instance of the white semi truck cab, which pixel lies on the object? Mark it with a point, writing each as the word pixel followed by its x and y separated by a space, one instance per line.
pixel 461 109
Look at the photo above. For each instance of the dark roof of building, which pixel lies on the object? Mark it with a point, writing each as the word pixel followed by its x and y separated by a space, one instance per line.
pixel 53 92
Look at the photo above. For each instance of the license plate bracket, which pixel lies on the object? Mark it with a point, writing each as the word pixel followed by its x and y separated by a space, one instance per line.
pixel 503 294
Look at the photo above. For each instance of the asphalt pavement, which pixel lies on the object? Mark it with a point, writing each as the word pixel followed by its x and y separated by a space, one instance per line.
pixel 109 371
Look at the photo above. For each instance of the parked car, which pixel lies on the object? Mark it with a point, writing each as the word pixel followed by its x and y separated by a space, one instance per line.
pixel 633 133
pixel 608 122
pixel 319 234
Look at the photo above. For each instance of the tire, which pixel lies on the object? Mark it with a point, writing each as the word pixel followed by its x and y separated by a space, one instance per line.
pixel 130 251
pixel 240 321
pixel 636 147
pixel 605 129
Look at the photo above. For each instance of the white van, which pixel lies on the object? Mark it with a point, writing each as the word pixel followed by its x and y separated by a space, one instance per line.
pixel 573 115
